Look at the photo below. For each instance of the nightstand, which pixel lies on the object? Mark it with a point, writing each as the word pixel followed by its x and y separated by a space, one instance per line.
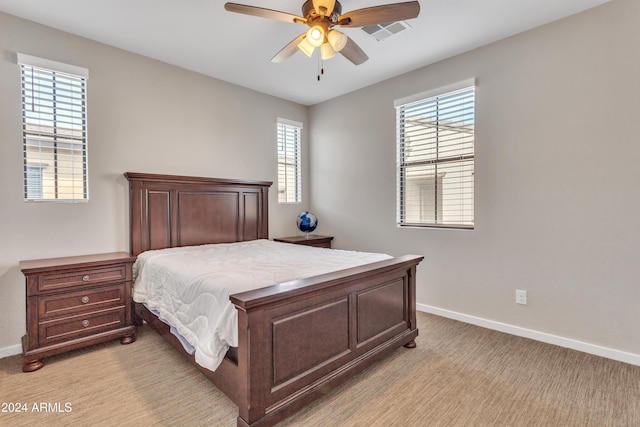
pixel 312 240
pixel 75 302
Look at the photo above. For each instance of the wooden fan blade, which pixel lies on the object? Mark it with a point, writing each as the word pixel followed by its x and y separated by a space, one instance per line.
pixel 380 14
pixel 324 7
pixel 289 49
pixel 353 53
pixel 264 13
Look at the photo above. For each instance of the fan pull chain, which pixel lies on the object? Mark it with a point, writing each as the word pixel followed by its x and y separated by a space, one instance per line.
pixel 320 66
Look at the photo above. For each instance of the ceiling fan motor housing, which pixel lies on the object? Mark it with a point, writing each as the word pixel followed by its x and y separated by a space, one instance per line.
pixel 309 12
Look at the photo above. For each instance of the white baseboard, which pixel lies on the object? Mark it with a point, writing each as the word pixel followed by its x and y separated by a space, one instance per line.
pixel 10 351
pixel 609 353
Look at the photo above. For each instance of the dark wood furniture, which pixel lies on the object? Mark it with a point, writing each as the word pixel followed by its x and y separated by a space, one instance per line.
pixel 75 302
pixel 294 342
pixel 311 240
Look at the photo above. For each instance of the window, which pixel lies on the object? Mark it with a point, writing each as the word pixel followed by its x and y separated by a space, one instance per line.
pixel 289 161
pixel 54 130
pixel 34 182
pixel 435 158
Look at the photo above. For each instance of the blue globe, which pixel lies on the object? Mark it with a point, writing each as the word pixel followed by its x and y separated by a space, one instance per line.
pixel 307 222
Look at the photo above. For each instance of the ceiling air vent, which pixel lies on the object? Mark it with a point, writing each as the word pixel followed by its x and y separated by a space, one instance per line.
pixel 383 31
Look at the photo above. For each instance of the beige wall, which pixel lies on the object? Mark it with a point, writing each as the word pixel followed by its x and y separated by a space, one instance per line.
pixel 143 116
pixel 556 179
pixel 556 176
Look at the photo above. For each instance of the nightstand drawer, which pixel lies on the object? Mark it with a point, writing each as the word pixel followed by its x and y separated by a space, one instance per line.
pixel 80 278
pixel 63 305
pixel 62 330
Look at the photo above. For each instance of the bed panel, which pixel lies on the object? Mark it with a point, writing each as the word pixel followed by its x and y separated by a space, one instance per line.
pixel 389 299
pixel 158 208
pixel 327 330
pixel 252 209
pixel 205 217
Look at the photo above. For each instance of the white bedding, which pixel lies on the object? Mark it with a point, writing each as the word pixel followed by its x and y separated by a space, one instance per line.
pixel 190 286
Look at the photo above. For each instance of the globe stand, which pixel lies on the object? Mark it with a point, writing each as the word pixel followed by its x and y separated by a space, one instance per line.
pixel 306 235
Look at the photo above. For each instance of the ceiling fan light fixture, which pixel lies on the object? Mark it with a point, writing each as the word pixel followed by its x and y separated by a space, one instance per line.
pixel 337 40
pixel 322 15
pixel 306 46
pixel 327 51
pixel 315 35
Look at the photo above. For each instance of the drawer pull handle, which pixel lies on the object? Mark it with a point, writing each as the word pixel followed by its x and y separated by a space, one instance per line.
pixel 85 323
pixel 85 278
pixel 84 300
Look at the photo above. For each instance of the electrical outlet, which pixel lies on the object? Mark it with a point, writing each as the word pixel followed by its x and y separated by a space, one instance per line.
pixel 521 297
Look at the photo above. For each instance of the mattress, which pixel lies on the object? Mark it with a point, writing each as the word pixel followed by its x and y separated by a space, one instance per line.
pixel 189 287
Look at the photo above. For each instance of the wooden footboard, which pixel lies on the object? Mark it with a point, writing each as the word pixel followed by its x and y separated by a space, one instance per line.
pixel 313 334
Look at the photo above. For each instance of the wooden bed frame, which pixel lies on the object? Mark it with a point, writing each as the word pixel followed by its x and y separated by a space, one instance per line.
pixel 296 340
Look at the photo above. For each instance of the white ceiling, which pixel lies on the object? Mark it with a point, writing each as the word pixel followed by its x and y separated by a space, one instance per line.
pixel 200 35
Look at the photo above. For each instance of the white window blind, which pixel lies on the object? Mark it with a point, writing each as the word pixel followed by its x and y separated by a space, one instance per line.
pixel 54 123
pixel 289 135
pixel 435 158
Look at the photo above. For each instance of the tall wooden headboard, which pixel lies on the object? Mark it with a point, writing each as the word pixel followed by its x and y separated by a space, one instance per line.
pixel 169 210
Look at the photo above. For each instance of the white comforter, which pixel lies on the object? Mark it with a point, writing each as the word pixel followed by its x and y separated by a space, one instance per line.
pixel 190 286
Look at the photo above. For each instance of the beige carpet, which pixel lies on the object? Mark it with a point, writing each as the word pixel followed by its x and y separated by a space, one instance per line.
pixel 459 375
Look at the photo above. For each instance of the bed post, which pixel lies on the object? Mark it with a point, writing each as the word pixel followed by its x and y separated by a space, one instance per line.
pixel 411 276
pixel 252 345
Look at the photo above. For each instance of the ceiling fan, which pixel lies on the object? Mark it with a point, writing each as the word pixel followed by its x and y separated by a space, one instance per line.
pixel 322 16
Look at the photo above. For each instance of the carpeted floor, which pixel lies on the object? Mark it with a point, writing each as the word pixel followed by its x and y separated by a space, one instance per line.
pixel 459 375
